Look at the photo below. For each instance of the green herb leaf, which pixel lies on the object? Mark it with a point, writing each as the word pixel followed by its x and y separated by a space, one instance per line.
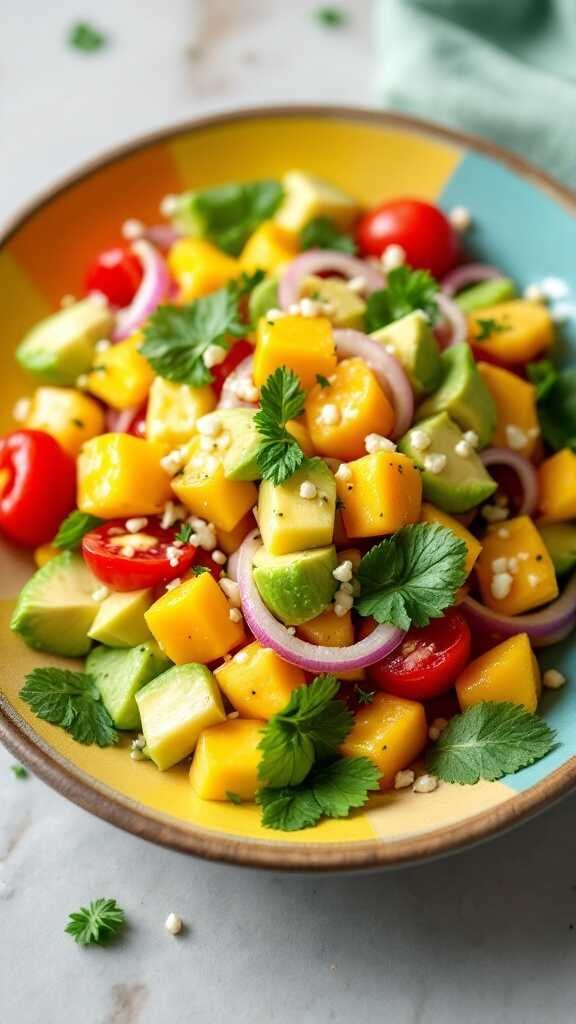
pixel 184 533
pixel 364 696
pixel 556 403
pixel 330 791
pixel 228 214
pixel 488 328
pixel 543 375
pixel 96 924
pixel 84 36
pixel 281 399
pixel 234 798
pixel 488 741
pixel 197 570
pixel 19 771
pixel 322 381
pixel 406 290
pixel 331 17
pixel 73 528
pixel 71 700
pixel 411 577
pixel 322 233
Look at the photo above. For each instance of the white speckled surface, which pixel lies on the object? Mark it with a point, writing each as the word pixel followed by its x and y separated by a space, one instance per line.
pixel 483 937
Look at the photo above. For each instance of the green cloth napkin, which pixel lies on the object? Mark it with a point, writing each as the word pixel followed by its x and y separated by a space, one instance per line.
pixel 504 69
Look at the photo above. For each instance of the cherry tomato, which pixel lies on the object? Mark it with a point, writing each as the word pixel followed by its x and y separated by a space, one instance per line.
pixel 426 235
pixel 149 566
pixel 205 559
pixel 116 273
pixel 239 351
pixel 428 661
pixel 37 486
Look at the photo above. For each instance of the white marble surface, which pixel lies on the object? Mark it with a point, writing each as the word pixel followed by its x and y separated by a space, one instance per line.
pixel 484 937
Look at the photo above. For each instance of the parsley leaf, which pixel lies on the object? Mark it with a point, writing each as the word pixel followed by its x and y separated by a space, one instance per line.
pixel 71 700
pixel 488 328
pixel 332 17
pixel 227 214
pixel 322 233
pixel 97 923
pixel 73 528
pixel 322 381
pixel 543 375
pixel 197 570
pixel 411 577
pixel 556 393
pixel 406 290
pixel 19 771
pixel 488 741
pixel 330 791
pixel 184 533
pixel 84 36
pixel 281 399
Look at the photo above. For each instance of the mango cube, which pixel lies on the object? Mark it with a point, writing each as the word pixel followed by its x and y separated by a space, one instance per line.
pixel 67 414
pixel 192 622
pixel 303 344
pixel 226 760
pixel 121 376
pixel 174 709
pixel 230 540
pixel 382 494
pixel 362 408
pixel 516 548
pixel 200 267
pixel 557 487
pixel 525 330
pixel 391 731
pixel 268 248
pixel 508 672
pixel 331 630
pixel 431 514
pixel 257 682
pixel 206 492
pixel 515 401
pixel 173 410
pixel 120 475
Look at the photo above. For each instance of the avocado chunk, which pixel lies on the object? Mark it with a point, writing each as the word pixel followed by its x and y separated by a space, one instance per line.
pixel 120 621
pixel 174 708
pixel 56 609
pixel 462 394
pixel 463 482
pixel 560 540
pixel 296 587
pixel 289 522
pixel 239 460
pixel 306 197
pixel 347 308
pixel 120 673
pixel 61 347
pixel 262 298
pixel 416 349
pixel 487 293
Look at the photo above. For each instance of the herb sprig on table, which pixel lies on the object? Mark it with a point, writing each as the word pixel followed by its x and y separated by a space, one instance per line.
pixel 97 924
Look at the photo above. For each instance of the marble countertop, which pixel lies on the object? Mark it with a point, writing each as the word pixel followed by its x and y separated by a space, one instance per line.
pixel 487 936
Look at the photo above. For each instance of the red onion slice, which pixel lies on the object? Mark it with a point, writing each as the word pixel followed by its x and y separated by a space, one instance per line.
pixel 119 421
pixel 319 261
pixel 310 657
pixel 228 398
pixel 524 470
pixel 470 273
pixel 391 375
pixel 154 287
pixel 454 328
pixel 545 627
pixel 162 235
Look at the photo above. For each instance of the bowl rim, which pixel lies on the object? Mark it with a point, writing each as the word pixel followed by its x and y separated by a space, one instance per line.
pixel 112 806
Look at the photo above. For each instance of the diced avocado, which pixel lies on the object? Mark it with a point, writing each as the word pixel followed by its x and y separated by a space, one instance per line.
pixel 560 540
pixel 263 298
pixel 348 308
pixel 120 673
pixel 296 587
pixel 416 349
pixel 306 197
pixel 60 348
pixel 56 609
pixel 487 293
pixel 462 394
pixel 289 522
pixel 174 708
pixel 120 621
pixel 463 482
pixel 240 456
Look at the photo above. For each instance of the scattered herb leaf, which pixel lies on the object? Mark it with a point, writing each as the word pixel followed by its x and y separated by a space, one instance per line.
pixel 543 375
pixel 556 403
pixel 73 528
pixel 364 696
pixel 488 328
pixel 330 791
pixel 322 381
pixel 84 36
pixel 228 214
pixel 331 17
pixel 96 924
pixel 19 771
pixel 184 533
pixel 406 290
pixel 281 399
pixel 197 570
pixel 322 233
pixel 234 798
pixel 71 700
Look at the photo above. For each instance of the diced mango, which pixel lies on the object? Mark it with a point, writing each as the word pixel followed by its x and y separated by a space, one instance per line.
pixel 226 760
pixel 303 344
pixel 206 492
pixel 524 330
pixel 508 672
pixel 257 682
pixel 391 731
pixel 533 577
pixel 45 553
pixel 431 514
pixel 300 432
pixel 173 410
pixel 382 494
pixel 230 540
pixel 68 415
pixel 174 709
pixel 515 401
pixel 331 630
pixel 121 475
pixel 268 248
pixel 121 376
pixel 361 408
pixel 200 267
pixel 192 622
pixel 557 487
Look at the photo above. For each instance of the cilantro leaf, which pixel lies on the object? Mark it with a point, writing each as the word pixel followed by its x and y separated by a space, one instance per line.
pixel 227 214
pixel 543 375
pixel 488 328
pixel 330 791
pixel 331 17
pixel 96 924
pixel 234 798
pixel 281 399
pixel 19 771
pixel 71 700
pixel 73 528
pixel 84 36
pixel 487 741
pixel 184 533
pixel 556 394
pixel 406 290
pixel 411 577
pixel 322 381
pixel 197 570
pixel 322 233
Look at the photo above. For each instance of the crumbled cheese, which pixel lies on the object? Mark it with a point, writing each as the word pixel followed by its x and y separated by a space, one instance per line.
pixel 462 448
pixel 533 579
pixel 435 462
pixel 223 442
pixel 102 345
pixel 460 218
pixel 232 591
pixel 343 472
pixel 503 533
pixel 310 307
pixel 493 514
pixel 329 415
pixel 173 584
pixel 171 514
pixel 275 314
pixel 513 565
pixel 357 284
pixel 136 524
pixel 523 556
pixel 132 229
pixel 433 732
pixel 169 205
pixel 82 381
pixel 555 287
pixel 245 389
pixel 420 440
pixel 209 425
pixel 425 784
pixel 392 257
pixel 173 562
pixel 308 490
pixel 21 409
pixel 291 630
pixel 172 462
pixel 391 349
pixel 404 779
pixel 377 443
pixel 343 572
pixel 346 587
pixel 207 444
pixel 499 565
pixel 172 551
pixel 219 557
pixel 204 535
pixel 213 356
pixel 515 436
pixel 233 714
pixel 501 585
pixel 67 300
pixel 137 755
pixel 235 615
pixel 471 438
pixel 553 679
pixel 128 551
pixel 173 924
pixel 343 602
pixel 139 743
pixel 294 309
pixel 240 658
pixel 534 293
pixel 100 594
pixel 440 724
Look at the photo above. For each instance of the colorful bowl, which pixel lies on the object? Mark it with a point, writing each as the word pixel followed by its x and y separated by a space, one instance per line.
pixel 523 221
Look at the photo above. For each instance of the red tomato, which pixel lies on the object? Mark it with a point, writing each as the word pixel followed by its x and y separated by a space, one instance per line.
pixel 426 235
pixel 428 661
pixel 150 564
pixel 239 351
pixel 116 273
pixel 37 486
pixel 205 558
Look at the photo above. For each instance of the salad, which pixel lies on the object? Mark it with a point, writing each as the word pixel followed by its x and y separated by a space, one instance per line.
pixel 300 483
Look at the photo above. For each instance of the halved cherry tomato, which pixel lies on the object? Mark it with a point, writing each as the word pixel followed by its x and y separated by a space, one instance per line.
pixel 149 566
pixel 428 661
pixel 424 232
pixel 37 486
pixel 239 351
pixel 116 273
